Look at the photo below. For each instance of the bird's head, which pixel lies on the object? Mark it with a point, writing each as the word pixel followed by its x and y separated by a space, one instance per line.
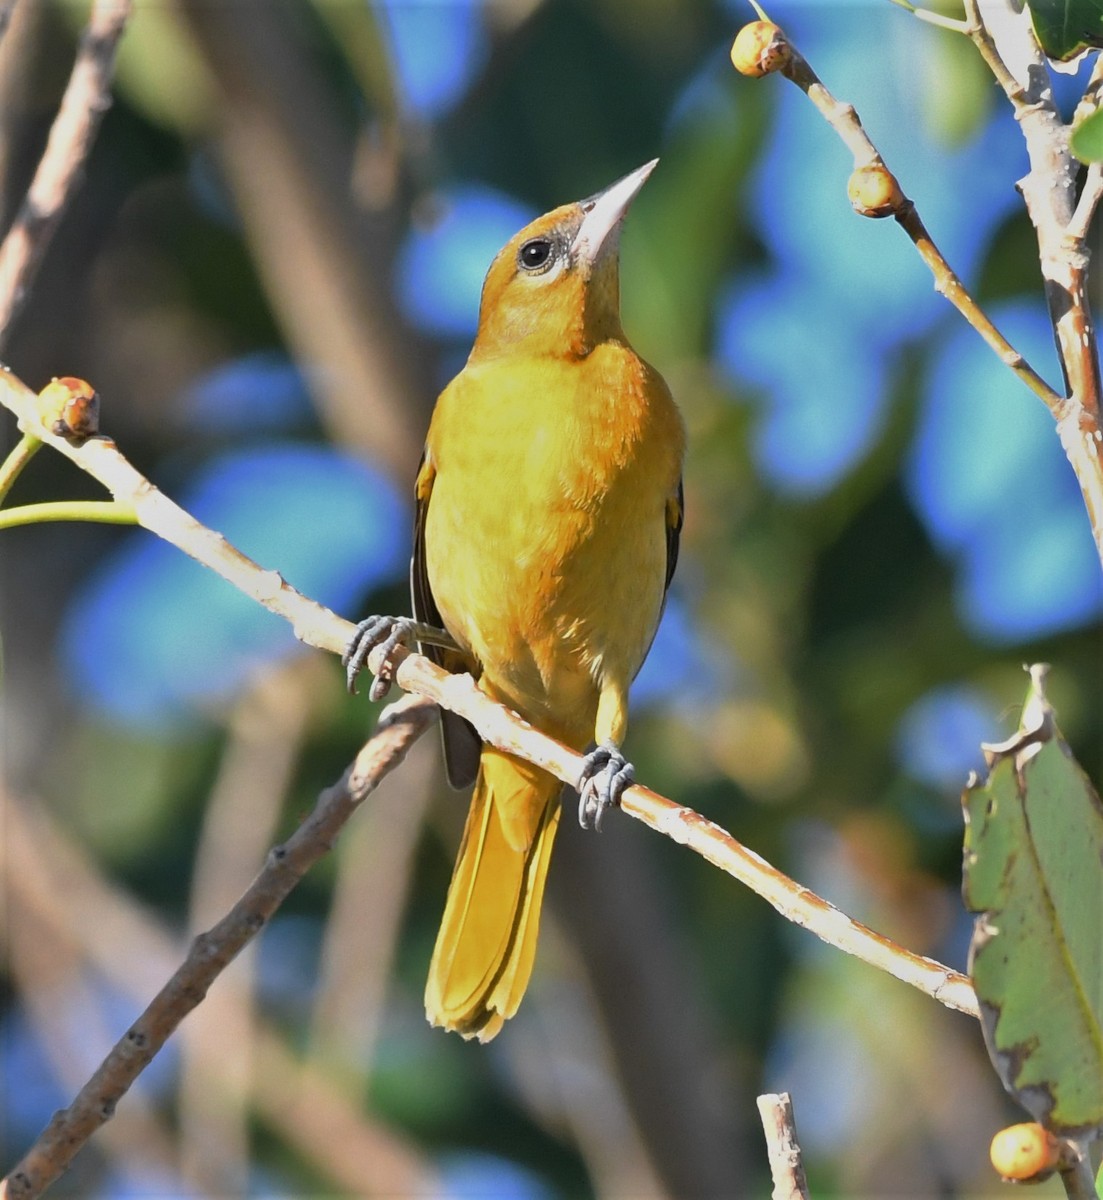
pixel 554 288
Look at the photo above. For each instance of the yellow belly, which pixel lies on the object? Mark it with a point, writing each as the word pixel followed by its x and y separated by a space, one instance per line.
pixel 545 533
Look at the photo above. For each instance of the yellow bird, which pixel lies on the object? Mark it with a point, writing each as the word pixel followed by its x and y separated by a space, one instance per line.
pixel 549 506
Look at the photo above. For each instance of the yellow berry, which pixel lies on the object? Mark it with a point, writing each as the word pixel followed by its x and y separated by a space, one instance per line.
pixel 874 192
pixel 760 48
pixel 70 407
pixel 1025 1153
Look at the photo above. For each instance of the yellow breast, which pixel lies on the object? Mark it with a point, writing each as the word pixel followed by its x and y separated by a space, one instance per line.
pixel 546 530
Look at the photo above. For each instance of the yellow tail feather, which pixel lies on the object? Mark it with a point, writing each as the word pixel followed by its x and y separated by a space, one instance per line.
pixel 487 941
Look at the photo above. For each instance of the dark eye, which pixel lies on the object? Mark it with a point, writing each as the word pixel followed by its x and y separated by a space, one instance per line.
pixel 535 254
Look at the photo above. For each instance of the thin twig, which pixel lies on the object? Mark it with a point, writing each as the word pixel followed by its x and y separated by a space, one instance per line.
pixel 1049 191
pixel 782 1148
pixel 211 952
pixel 949 285
pixel 87 97
pixel 319 627
pixel 12 467
pixel 844 120
pixel 1088 202
pixel 130 947
pixel 100 458
pixel 46 965
pixel 982 38
pixel 1078 1179
pixel 1089 101
pixel 104 512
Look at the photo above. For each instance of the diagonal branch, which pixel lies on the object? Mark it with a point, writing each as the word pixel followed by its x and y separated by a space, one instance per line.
pixel 64 892
pixel 211 952
pixel 1004 36
pixel 86 99
pixel 1061 218
pixel 847 124
pixel 503 729
pixel 319 627
pixel 151 508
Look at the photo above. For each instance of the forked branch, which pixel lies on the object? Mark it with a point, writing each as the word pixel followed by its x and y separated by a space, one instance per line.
pixel 1061 213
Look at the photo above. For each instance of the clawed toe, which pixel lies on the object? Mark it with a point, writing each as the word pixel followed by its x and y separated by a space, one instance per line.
pixel 605 775
pixel 385 632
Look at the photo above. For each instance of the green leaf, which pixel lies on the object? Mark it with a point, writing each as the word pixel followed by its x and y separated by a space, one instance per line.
pixel 1034 876
pixel 1087 138
pixel 1066 27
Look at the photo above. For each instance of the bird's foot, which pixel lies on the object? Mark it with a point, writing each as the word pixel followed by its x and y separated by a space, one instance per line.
pixel 387 632
pixel 605 775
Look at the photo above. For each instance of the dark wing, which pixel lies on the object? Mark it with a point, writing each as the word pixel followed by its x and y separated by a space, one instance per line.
pixel 675 514
pixel 675 511
pixel 462 744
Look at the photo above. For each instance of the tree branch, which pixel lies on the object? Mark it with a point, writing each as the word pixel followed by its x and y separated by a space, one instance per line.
pixel 1078 1180
pixel 87 97
pixel 1061 219
pixel 101 458
pixel 211 952
pixel 240 821
pixel 503 729
pixel 63 891
pixel 1049 192
pixel 782 1148
pixel 844 119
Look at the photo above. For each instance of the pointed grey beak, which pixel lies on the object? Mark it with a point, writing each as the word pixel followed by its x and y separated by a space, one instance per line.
pixel 602 213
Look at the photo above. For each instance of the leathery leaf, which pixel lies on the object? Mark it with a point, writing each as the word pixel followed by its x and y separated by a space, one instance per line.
pixel 1065 28
pixel 1034 877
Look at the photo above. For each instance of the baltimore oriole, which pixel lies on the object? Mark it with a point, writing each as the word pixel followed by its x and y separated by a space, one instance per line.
pixel 549 506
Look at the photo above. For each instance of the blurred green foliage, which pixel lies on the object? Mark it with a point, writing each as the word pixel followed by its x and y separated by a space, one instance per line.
pixel 1033 847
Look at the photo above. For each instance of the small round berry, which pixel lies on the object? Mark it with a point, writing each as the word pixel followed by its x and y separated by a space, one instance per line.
pixel 1025 1152
pixel 874 192
pixel 70 407
pixel 760 48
